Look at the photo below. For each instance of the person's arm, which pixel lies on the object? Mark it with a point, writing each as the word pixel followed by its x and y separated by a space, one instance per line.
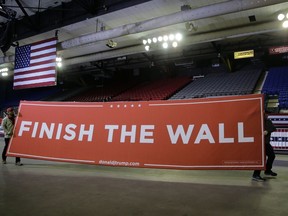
pixel 271 127
pixel 4 126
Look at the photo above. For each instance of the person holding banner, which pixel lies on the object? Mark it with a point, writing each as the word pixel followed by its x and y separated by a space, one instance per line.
pixel 269 128
pixel 8 126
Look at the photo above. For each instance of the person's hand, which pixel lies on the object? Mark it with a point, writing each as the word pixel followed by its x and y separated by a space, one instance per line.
pixel 265 132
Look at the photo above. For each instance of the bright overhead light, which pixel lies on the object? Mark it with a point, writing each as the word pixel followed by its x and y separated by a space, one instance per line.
pixel 59 64
pixel 4 74
pixel 165 38
pixel 281 17
pixel 285 24
pixel 171 37
pixel 178 37
pixel 287 15
pixel 58 59
pixel 166 41
pixel 4 69
pixel 165 45
pixel 174 44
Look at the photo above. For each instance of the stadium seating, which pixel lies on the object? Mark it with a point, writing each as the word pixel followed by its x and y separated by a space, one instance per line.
pixel 101 93
pixel 276 83
pixel 220 84
pixel 156 90
pixel 39 94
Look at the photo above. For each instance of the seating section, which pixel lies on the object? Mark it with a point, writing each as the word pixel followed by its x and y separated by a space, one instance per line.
pixel 276 83
pixel 220 84
pixel 100 93
pixel 94 95
pixel 213 84
pixel 33 94
pixel 157 90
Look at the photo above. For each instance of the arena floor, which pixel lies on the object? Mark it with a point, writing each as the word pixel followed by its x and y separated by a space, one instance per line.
pixel 50 188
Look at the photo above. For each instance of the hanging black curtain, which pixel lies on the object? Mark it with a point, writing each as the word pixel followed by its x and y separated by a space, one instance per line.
pixel 6 37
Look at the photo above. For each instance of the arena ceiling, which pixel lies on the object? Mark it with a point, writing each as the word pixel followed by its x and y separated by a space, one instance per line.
pixel 211 29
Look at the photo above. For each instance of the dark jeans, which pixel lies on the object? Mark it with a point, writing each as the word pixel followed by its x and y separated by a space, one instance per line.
pixel 7 140
pixel 270 159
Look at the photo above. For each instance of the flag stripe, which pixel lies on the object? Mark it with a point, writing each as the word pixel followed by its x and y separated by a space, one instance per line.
pixel 43 51
pixel 40 79
pixel 26 76
pixel 43 84
pixel 35 64
pixel 279 138
pixel 33 81
pixel 46 41
pixel 43 57
pixel 34 71
pixel 279 120
pixel 35 67
pixel 41 47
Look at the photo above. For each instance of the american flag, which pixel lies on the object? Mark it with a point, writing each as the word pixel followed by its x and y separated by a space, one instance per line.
pixel 279 120
pixel 35 64
pixel 279 138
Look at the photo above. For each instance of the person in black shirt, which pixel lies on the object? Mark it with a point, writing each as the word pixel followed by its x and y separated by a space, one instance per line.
pixel 269 128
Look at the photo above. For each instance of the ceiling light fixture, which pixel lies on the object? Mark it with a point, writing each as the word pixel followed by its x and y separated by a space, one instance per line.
pixel 281 17
pixel 4 71
pixel 178 37
pixel 165 45
pixel 4 74
pixel 59 62
pixel 165 41
pixel 285 24
pixel 174 44
pixel 284 19
pixel 111 44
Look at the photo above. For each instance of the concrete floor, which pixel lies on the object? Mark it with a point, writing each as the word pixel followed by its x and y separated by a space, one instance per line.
pixel 50 188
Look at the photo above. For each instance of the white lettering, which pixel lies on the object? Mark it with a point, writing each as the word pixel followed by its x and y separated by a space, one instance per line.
pixel 46 130
pixel 54 131
pixel 35 129
pixel 111 129
pixel 204 133
pixel 70 132
pixel 125 134
pixel 58 134
pixel 145 134
pixel 241 138
pixel 23 127
pixel 222 138
pixel 87 132
pixel 180 132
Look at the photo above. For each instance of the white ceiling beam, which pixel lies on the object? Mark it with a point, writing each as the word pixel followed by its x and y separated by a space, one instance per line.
pixel 192 39
pixel 175 18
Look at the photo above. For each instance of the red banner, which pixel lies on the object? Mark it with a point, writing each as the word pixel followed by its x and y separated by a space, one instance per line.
pixel 214 133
